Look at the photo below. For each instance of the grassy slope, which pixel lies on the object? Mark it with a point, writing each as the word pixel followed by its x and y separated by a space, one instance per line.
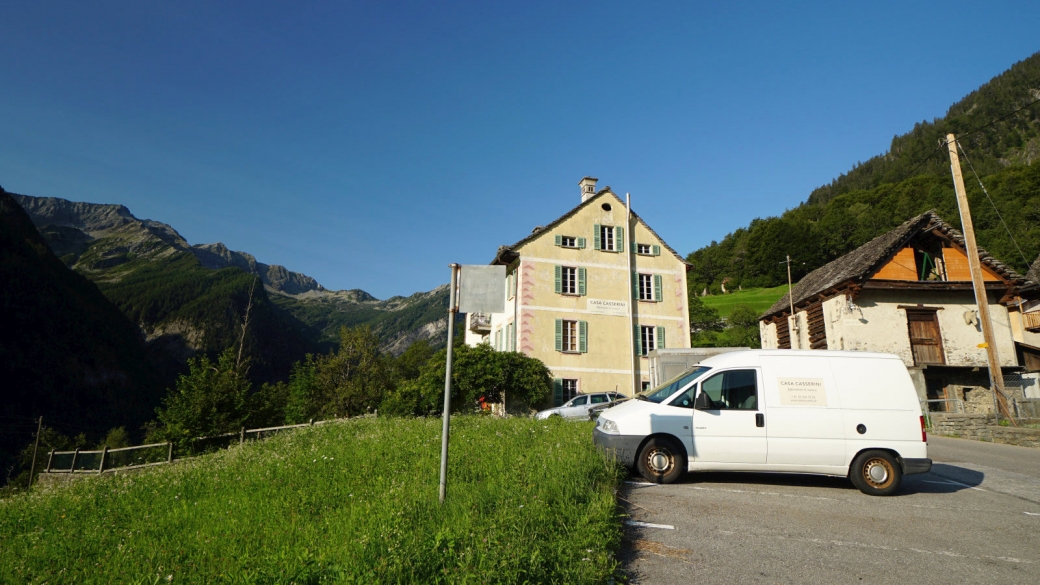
pixel 345 502
pixel 759 299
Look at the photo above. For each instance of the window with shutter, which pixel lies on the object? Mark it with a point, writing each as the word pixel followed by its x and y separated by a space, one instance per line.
pixel 581 243
pixel 657 288
pixel 581 281
pixel 659 340
pixel 657 250
pixel 597 237
pixel 558 239
pixel 558 282
pixel 638 335
pixel 583 336
pixel 559 335
pixel 619 239
pixel 557 392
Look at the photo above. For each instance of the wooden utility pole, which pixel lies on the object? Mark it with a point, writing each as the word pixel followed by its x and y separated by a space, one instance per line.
pixel 793 332
pixel 36 447
pixel 975 266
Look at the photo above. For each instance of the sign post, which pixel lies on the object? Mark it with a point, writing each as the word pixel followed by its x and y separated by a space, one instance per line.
pixel 452 309
pixel 475 289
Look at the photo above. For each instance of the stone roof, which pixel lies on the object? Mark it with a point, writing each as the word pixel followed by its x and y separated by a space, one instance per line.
pixel 506 254
pixel 860 264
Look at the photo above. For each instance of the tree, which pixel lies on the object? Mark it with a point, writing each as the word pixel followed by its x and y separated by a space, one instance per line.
pixel 477 372
pixel 209 400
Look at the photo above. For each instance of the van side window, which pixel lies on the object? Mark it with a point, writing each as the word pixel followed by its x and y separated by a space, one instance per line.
pixel 732 390
pixel 580 400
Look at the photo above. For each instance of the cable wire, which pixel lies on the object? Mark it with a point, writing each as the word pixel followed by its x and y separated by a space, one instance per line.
pixel 990 199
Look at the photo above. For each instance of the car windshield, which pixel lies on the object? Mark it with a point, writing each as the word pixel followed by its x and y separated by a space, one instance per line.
pixel 662 392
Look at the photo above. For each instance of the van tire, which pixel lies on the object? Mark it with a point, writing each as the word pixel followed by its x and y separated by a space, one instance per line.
pixel 876 473
pixel 661 460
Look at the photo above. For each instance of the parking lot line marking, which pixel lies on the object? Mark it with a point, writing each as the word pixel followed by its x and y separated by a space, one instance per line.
pixel 638 524
pixel 641 483
pixel 1031 514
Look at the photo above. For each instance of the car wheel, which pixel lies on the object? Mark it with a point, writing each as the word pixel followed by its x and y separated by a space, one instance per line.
pixel 661 460
pixel 876 473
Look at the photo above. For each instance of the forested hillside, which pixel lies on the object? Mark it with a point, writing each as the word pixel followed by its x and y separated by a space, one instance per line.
pixel 66 352
pixel 998 127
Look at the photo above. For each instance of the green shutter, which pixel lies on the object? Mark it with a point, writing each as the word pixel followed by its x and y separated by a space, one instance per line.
pixel 581 243
pixel 581 281
pixel 619 239
pixel 657 250
pixel 583 334
pixel 559 279
pixel 657 288
pixel 639 340
pixel 635 286
pixel 634 247
pixel 557 392
pixel 558 239
pixel 559 335
pixel 660 338
pixel 597 241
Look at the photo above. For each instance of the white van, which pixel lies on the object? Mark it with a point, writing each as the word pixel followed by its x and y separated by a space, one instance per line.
pixel 839 413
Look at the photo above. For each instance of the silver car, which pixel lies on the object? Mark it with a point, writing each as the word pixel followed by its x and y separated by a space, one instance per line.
pixel 579 406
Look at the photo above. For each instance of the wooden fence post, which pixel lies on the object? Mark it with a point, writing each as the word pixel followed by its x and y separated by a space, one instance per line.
pixel 312 422
pixel 169 452
pixel 242 437
pixel 104 454
pixel 75 455
pixel 50 460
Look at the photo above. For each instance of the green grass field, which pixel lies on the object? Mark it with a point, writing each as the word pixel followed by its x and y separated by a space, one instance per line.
pixel 759 299
pixel 528 501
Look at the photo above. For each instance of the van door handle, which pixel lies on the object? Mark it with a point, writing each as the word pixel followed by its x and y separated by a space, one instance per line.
pixel 760 420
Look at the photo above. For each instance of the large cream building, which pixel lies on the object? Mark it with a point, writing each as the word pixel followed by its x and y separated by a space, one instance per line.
pixel 589 295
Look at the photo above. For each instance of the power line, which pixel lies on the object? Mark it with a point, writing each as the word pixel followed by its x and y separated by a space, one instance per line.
pixel 942 142
pixel 990 199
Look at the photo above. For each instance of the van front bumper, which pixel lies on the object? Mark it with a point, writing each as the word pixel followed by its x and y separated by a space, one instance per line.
pixel 623 447
pixel 911 466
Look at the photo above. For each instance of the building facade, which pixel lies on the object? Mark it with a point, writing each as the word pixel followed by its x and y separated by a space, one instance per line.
pixel 909 292
pixel 589 295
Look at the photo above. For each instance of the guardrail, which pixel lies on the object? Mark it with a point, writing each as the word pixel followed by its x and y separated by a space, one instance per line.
pixel 99 461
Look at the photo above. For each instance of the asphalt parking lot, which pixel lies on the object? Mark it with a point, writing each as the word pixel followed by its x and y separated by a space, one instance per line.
pixel 975 518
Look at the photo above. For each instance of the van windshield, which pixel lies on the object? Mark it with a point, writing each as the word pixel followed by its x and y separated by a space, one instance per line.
pixel 662 392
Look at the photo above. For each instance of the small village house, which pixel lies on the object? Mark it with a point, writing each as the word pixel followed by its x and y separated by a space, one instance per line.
pixel 909 292
pixel 590 295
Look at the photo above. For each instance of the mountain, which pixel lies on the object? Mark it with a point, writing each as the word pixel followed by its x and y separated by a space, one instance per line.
pixel 67 353
pixel 997 126
pixel 194 296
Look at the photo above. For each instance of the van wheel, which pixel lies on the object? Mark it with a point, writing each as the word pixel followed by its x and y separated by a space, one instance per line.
pixel 876 473
pixel 660 460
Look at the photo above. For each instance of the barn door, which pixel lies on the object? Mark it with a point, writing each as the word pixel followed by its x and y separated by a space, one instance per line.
pixel 925 340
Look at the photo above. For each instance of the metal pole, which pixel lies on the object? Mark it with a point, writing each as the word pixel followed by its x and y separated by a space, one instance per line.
pixel 633 299
pixel 36 447
pixel 452 309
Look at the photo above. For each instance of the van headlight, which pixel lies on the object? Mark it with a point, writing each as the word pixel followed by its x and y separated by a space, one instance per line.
pixel 608 426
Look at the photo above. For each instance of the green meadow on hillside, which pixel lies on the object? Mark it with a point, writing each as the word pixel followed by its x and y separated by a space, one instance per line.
pixel 758 299
pixel 356 501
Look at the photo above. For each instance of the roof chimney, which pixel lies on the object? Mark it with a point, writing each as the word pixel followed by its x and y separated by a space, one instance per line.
pixel 588 188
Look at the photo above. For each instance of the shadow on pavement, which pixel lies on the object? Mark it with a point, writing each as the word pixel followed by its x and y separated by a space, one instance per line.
pixel 942 479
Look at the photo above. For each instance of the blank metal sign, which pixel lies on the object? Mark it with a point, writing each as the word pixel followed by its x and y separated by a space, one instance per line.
pixel 482 289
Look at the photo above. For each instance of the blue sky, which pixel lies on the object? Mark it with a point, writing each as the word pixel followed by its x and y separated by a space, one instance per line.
pixel 371 144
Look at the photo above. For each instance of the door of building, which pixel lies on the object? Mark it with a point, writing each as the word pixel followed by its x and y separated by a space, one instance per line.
pixel 925 340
